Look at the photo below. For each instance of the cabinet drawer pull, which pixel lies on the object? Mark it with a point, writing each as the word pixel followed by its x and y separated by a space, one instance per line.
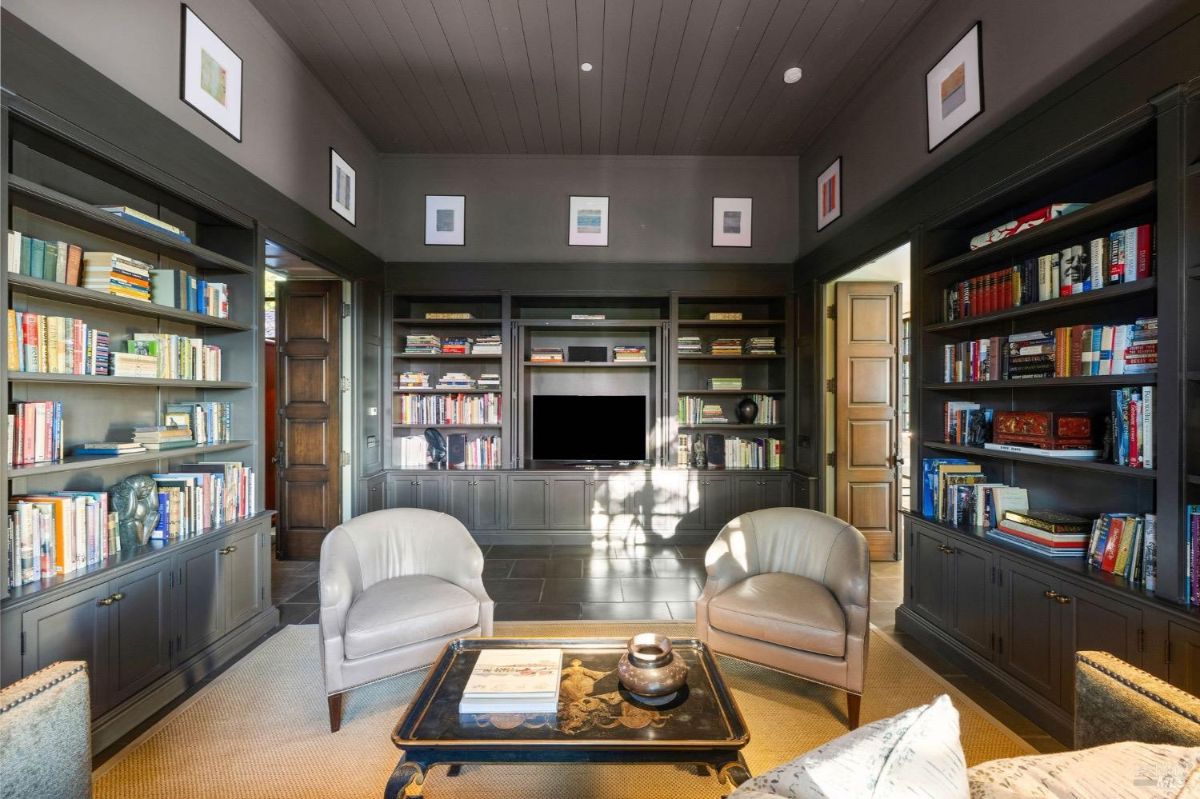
pixel 945 550
pixel 1050 594
pixel 228 550
pixel 1062 599
pixel 104 602
pixel 117 597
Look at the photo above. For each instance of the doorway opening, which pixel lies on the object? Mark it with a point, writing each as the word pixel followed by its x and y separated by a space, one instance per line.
pixel 866 363
pixel 307 415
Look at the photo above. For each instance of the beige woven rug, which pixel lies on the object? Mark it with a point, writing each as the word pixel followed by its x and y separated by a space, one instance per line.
pixel 260 730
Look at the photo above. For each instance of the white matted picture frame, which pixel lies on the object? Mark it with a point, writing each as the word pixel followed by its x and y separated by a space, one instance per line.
pixel 587 224
pixel 445 219
pixel 731 221
pixel 954 88
pixel 210 74
pixel 829 194
pixel 343 187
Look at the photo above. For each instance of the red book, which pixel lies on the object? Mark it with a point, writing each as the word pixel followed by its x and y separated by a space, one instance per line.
pixel 1145 244
pixel 1113 545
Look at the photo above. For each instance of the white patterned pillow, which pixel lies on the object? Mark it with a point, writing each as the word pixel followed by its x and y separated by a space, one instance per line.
pixel 915 754
pixel 1128 770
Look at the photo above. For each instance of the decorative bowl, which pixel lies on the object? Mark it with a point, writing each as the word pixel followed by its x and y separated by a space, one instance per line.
pixel 650 668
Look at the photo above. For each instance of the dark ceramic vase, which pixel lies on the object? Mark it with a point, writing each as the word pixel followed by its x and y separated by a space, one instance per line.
pixel 747 411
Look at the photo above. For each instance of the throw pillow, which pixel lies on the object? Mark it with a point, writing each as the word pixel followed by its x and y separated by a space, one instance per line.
pixel 1129 770
pixel 916 754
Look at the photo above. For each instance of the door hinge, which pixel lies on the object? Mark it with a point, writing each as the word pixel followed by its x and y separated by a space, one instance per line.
pixel 22 643
pixel 345 310
pixel 831 459
pixel 345 459
pixel 831 312
pixel 1141 642
pixel 345 384
pixel 831 385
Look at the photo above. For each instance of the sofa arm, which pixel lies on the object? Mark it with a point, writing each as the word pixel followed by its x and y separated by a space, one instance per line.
pixel 1115 701
pixel 46 734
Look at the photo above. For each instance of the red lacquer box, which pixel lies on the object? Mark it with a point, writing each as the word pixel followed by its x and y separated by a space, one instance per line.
pixel 1045 429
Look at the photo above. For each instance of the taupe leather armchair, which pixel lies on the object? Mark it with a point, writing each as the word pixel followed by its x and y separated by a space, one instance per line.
pixel 395 586
pixel 789 588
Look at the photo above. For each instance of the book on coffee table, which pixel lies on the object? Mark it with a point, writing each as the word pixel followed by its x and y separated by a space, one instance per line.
pixel 513 681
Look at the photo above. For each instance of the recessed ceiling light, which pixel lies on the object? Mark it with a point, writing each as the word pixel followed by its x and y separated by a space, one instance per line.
pixel 585 66
pixel 792 75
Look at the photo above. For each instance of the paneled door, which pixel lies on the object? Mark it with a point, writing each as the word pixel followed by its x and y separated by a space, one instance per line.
pixel 309 327
pixel 866 439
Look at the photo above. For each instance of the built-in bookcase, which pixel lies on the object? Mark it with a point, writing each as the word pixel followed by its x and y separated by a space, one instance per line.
pixel 54 184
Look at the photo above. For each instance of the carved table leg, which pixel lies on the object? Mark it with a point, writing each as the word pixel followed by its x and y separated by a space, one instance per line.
pixel 453 770
pixel 403 776
pixel 734 773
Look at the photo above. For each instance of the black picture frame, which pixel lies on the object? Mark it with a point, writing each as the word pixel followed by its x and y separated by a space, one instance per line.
pixel 982 99
pixel 183 12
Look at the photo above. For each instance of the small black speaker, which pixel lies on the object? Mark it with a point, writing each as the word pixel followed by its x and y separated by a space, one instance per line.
pixel 456 450
pixel 587 354
pixel 714 450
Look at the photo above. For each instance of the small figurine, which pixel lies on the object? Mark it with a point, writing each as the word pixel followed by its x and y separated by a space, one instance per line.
pixel 436 448
pixel 699 456
pixel 979 434
pixel 135 501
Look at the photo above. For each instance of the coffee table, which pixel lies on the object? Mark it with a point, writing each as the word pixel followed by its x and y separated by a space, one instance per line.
pixel 598 721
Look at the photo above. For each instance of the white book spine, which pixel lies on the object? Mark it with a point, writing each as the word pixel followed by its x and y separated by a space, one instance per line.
pixel 1146 438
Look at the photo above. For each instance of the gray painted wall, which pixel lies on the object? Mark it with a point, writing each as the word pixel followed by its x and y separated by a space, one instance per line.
pixel 660 207
pixel 289 120
pixel 1029 47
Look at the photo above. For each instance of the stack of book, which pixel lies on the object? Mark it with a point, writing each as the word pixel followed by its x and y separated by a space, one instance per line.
pixel 145 220
pixel 163 437
pixel 47 260
pixel 422 344
pixel 58 532
pixel 1044 532
pixel 1031 355
pixel 176 288
pixel 449 315
pixel 724 316
pixel 412 380
pixel 753 453
pixel 1133 426
pixel 694 410
pixel 210 422
pixel 116 274
pixel 456 380
pixel 1137 350
pixel 1122 256
pixel 197 497
pixel 546 355
pixel 513 681
pixel 1191 569
pixel 35 432
pixel 437 409
pixel 457 345
pixel 410 452
pixel 132 364
pixel 108 449
pixel 488 380
pixel 726 346
pixel 725 383
pixel 482 453
pixel 176 357
pixel 487 345
pixel 955 491
pixel 628 353
pixel 1126 544
pixel 55 344
pixel 690 345
pixel 761 345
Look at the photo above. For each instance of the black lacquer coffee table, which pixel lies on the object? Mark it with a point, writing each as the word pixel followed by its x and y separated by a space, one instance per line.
pixel 598 721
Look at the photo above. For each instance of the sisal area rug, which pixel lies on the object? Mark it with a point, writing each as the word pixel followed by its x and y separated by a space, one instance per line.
pixel 260 730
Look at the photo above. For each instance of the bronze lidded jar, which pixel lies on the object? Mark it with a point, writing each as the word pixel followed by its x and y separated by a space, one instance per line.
pixel 650 668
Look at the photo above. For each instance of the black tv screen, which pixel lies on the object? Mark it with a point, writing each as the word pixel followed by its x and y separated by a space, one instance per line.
pixel 576 428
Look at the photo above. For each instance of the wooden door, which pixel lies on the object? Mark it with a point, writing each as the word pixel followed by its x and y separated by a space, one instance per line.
pixel 1183 657
pixel 1030 634
pixel 1094 621
pixel 747 495
pixel 309 340
pixel 528 503
pixel 485 503
pixel 140 629
pixel 929 569
pixel 969 595
pixel 458 499
pixel 867 385
pixel 716 501
pixel 241 573
pixel 74 627
pixel 201 599
pixel 570 503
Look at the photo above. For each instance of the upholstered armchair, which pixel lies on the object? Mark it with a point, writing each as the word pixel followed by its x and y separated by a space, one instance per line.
pixel 395 586
pixel 789 588
pixel 46 734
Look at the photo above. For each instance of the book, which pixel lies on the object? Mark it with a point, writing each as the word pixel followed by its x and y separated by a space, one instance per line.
pixel 513 681
pixel 1050 521
pixel 144 219
pixel 1078 454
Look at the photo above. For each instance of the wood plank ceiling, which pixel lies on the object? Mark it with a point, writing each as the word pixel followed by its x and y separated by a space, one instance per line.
pixel 669 76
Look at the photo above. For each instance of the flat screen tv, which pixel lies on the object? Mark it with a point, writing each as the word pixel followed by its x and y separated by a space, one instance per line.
pixel 577 429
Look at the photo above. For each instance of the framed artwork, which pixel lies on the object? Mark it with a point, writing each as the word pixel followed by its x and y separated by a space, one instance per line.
pixel 445 219
pixel 829 194
pixel 731 221
pixel 954 88
pixel 210 75
pixel 341 187
pixel 588 223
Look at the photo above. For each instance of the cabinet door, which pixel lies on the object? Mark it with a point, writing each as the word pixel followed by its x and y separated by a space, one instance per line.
pixel 927 593
pixel 1183 664
pixel 458 499
pixel 140 629
pixel 528 503
pixel 716 500
pixel 690 506
pixel 429 492
pixel 376 499
pixel 570 503
pixel 74 627
pixel 201 598
pixel 1028 645
pixel 747 495
pixel 415 491
pixel 242 577
pixel 1094 621
pixel 485 503
pixel 969 601
pixel 777 492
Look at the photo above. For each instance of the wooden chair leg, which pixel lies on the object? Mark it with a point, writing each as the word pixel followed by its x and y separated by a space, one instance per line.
pixel 335 712
pixel 853 705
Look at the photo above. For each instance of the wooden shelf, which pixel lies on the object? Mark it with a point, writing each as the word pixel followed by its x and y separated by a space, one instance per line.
pixel 720 392
pixel 1148 378
pixel 1045 460
pixel 423 322
pixel 447 391
pixel 1194 272
pixel 600 324
pixel 732 426
pixel 1106 294
pixel 704 357
pixel 730 322
pixel 76 463
pixel 415 356
pixel 1194 169
pixel 404 426
pixel 592 365
pixel 55 205
pixel 48 289
pixel 1094 216
pixel 1194 479
pixel 107 380
pixel 1192 375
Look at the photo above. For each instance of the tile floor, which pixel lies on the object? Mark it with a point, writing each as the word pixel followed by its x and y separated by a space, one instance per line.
pixel 646 582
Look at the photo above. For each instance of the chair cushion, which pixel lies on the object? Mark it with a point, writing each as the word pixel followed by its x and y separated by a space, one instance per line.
pixel 407 610
pixel 1129 770
pixel 784 609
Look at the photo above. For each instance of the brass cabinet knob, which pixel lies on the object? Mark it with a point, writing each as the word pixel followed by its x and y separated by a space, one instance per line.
pixel 117 597
pixel 105 602
pixel 229 549
pixel 1050 594
pixel 1062 599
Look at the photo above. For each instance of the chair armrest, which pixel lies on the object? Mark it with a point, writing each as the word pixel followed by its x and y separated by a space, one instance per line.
pixel 730 557
pixel 338 583
pixel 1115 701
